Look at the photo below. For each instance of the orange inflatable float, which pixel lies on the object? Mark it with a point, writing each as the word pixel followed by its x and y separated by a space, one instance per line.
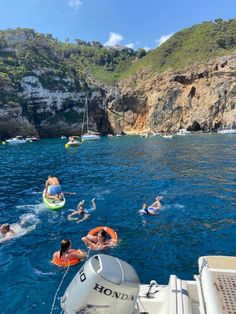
pixel 108 230
pixel 69 262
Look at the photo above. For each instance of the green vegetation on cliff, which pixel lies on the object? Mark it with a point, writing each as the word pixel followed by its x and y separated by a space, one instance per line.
pixel 194 45
pixel 24 51
pixel 57 64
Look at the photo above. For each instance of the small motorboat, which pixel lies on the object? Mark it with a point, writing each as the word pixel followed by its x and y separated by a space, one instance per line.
pixel 226 131
pixel 63 137
pixel 16 140
pixel 32 139
pixel 183 132
pixel 73 142
pixel 167 136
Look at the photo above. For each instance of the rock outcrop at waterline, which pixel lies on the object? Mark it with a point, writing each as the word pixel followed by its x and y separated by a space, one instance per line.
pixel 197 99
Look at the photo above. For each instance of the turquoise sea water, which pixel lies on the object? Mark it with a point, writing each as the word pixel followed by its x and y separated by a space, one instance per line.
pixel 195 174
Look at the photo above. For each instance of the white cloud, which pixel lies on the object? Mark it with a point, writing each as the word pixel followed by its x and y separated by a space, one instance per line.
pixel 163 38
pixel 130 45
pixel 75 3
pixel 147 48
pixel 114 39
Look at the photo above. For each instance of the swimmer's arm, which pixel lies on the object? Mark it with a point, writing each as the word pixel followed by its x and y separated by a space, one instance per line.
pixel 88 240
pixel 56 255
pixel 79 254
pixel 73 214
pixel 110 243
pixel 156 204
pixel 7 237
pixel 86 216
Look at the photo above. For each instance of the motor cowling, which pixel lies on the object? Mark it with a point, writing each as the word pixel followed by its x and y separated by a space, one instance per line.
pixel 104 285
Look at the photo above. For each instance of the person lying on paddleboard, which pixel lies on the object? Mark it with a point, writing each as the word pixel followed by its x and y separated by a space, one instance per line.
pixel 66 252
pixel 98 242
pixel 6 232
pixel 152 209
pixel 53 188
pixel 81 212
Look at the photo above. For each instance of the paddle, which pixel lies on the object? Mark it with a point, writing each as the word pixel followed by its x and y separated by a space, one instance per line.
pixel 70 193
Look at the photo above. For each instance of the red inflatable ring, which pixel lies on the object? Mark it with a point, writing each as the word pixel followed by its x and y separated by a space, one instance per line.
pixel 109 231
pixel 69 262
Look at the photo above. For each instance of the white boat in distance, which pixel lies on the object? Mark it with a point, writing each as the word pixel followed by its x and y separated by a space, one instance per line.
pixel 183 132
pixel 170 136
pixel 108 285
pixel 32 139
pixel 16 140
pixel 88 135
pixel 226 131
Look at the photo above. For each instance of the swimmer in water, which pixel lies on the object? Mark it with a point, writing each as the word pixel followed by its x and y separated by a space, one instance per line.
pixel 99 241
pixel 81 212
pixel 66 252
pixel 153 209
pixel 7 232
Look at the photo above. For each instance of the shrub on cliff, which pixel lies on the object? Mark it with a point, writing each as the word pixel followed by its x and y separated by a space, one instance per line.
pixel 196 44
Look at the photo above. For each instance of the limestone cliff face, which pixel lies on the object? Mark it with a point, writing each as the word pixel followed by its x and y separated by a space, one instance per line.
pixel 201 98
pixel 51 112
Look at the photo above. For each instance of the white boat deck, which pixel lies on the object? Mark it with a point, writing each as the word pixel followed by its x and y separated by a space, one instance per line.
pixel 213 291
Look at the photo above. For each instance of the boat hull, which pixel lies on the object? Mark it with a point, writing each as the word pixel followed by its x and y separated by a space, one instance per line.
pixel 90 137
pixel 231 131
pixel 72 144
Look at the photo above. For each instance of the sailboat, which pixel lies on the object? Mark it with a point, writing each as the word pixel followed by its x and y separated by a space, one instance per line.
pixel 88 135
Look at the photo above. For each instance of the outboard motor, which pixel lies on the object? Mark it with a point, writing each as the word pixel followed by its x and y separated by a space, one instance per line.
pixel 104 285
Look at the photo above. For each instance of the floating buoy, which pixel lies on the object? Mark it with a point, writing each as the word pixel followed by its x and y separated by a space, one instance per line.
pixel 3 142
pixel 67 146
pixel 69 262
pixel 108 230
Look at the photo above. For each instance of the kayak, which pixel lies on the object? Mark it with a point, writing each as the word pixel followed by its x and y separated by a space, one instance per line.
pixel 52 203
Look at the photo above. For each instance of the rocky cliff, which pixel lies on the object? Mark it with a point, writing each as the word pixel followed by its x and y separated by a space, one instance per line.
pixel 50 113
pixel 200 98
pixel 44 84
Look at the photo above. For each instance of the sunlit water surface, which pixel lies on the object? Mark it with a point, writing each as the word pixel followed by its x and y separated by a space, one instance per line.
pixel 195 174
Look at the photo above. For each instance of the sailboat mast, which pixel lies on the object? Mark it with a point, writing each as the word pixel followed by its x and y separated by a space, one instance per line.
pixel 87 115
pixel 82 132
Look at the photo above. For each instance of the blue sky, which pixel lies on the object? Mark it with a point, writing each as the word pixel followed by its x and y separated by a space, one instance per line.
pixel 134 23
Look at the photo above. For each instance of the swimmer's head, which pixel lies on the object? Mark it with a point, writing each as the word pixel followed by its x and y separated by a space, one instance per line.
pixel 5 228
pixel 80 208
pixel 65 245
pixel 102 235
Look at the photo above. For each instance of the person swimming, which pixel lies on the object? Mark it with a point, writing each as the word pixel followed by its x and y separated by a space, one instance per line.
pixel 99 241
pixel 26 224
pixel 66 252
pixel 153 209
pixel 6 232
pixel 81 212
